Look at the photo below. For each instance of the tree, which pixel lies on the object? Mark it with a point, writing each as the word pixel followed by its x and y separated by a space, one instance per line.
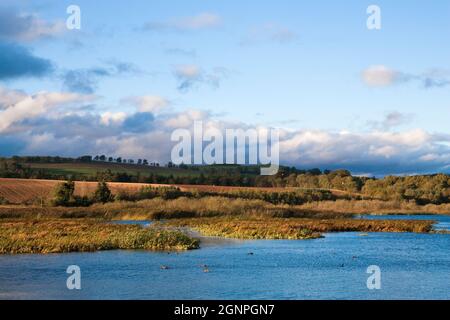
pixel 145 162
pixel 63 194
pixel 85 159
pixel 102 158
pixel 110 159
pixel 102 194
pixel 119 160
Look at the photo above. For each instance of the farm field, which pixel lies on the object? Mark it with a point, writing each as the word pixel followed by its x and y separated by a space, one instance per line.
pixel 91 169
pixel 20 191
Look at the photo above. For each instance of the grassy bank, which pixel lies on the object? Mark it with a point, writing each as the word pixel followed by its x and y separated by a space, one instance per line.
pixel 374 207
pixel 61 236
pixel 159 208
pixel 295 228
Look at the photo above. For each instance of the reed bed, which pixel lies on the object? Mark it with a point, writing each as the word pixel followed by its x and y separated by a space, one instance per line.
pixel 295 228
pixel 159 208
pixel 82 235
pixel 375 207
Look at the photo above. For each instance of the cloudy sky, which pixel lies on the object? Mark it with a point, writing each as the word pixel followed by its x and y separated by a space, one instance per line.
pixel 375 102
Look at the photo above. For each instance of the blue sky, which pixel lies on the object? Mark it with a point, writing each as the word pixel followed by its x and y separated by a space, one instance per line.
pixel 375 101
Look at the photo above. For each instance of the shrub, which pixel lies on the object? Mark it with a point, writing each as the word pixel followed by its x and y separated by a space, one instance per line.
pixel 63 194
pixel 3 201
pixel 102 194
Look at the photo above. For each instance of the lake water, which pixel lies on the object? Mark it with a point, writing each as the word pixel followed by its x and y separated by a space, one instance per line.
pixel 413 266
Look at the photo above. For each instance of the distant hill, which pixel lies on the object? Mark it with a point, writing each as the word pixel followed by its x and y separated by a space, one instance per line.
pixel 421 189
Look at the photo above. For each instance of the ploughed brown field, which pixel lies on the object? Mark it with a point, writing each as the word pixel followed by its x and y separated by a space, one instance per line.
pixel 20 191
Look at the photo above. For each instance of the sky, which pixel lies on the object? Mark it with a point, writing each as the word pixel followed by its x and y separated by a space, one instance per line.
pixel 343 96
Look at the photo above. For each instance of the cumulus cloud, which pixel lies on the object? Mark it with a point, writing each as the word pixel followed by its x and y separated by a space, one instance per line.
pixel 10 97
pixel 17 61
pixel 190 76
pixel 149 103
pixel 110 118
pixel 270 32
pixel 201 21
pixel 25 107
pixel 15 26
pixel 383 76
pixel 44 124
pixel 374 152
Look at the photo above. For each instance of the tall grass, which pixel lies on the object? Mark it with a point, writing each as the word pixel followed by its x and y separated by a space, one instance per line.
pixel 375 207
pixel 59 236
pixel 159 208
pixel 245 228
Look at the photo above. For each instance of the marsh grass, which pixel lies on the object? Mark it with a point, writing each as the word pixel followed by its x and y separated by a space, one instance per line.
pixel 374 207
pixel 62 236
pixel 295 228
pixel 205 207
pixel 185 207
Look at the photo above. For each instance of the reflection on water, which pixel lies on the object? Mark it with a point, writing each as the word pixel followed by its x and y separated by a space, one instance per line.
pixel 414 266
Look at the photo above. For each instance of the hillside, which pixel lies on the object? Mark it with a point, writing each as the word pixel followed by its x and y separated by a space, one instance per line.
pixel 421 189
pixel 20 191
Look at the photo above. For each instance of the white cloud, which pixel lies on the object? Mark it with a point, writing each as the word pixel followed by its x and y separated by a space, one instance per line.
pixel 382 76
pixel 26 107
pixel 49 129
pixel 191 75
pixel 379 76
pixel 109 118
pixel 189 71
pixel 27 27
pixel 185 119
pixel 149 103
pixel 10 97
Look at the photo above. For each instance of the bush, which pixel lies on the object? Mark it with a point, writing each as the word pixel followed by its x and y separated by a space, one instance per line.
pixel 63 194
pixel 3 201
pixel 102 194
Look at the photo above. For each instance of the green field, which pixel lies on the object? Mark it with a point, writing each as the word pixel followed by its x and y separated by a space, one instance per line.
pixel 90 169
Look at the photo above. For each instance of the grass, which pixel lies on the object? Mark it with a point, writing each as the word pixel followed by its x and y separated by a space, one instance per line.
pixel 375 207
pixel 295 228
pixel 159 208
pixel 33 229
pixel 91 169
pixel 62 236
pixel 203 207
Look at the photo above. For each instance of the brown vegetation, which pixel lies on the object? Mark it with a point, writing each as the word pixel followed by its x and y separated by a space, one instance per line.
pixel 59 236
pixel 295 228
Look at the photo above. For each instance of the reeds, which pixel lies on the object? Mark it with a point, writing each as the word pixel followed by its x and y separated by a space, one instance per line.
pixel 83 235
pixel 295 228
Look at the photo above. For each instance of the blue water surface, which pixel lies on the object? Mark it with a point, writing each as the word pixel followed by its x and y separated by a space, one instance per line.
pixel 413 266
